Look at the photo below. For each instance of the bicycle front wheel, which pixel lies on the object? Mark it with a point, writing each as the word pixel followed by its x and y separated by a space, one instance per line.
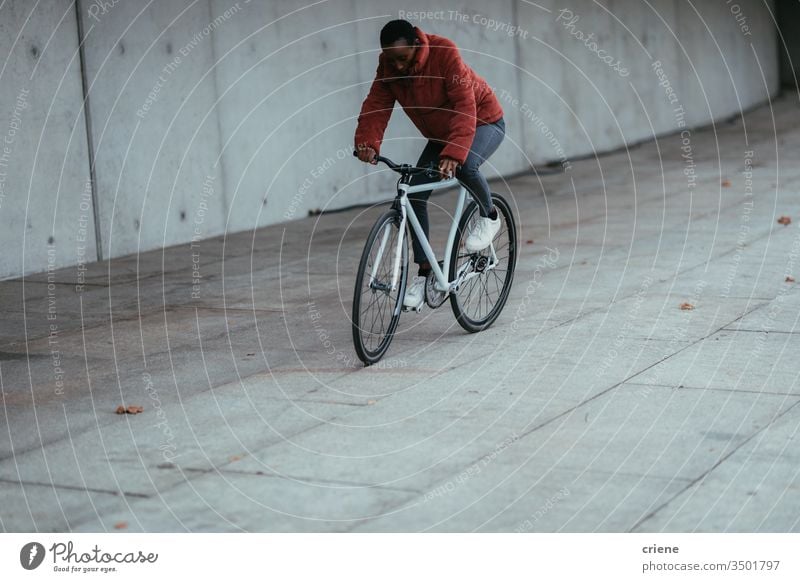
pixel 487 276
pixel 376 307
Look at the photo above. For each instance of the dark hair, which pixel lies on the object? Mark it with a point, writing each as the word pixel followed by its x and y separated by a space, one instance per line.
pixel 398 30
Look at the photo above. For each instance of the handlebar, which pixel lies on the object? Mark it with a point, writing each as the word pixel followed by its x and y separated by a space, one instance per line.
pixel 387 161
pixel 403 168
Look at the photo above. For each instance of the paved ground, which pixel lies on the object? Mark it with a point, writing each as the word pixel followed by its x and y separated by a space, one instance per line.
pixel 594 404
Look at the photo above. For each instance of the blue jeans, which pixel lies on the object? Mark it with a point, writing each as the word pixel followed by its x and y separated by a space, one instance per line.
pixel 487 139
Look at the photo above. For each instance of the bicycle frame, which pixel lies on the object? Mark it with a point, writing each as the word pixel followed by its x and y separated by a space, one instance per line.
pixel 442 284
pixel 409 217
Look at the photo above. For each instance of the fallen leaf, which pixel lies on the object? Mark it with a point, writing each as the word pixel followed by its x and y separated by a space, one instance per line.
pixel 235 458
pixel 132 409
pixel 121 525
pixel 789 279
pixel 370 402
pixel 529 241
pixel 120 409
pixel 726 183
pixel 687 306
pixel 784 220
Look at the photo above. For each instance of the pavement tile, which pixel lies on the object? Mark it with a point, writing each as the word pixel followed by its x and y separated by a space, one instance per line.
pixel 756 490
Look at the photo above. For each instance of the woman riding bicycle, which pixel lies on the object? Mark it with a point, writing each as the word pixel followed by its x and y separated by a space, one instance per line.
pixel 453 107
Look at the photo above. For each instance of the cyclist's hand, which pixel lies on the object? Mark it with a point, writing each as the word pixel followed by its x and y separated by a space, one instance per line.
pixel 367 154
pixel 447 167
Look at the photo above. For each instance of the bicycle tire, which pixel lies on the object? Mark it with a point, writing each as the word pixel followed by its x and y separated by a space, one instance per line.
pixel 507 253
pixel 363 287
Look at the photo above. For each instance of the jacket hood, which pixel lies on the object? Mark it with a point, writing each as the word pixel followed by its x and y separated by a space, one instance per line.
pixel 390 73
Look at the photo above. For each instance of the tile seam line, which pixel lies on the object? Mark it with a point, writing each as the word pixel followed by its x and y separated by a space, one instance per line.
pixel 791 394
pixel 304 480
pixel 78 488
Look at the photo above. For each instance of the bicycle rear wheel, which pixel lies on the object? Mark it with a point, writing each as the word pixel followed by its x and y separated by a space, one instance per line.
pixel 376 308
pixel 480 299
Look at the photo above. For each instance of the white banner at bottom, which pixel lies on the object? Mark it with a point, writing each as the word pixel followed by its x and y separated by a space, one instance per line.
pixel 401 557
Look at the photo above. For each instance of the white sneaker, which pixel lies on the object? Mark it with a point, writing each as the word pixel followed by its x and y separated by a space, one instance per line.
pixel 415 293
pixel 482 234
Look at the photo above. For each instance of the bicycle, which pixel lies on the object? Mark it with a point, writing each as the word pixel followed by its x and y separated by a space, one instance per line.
pixel 383 268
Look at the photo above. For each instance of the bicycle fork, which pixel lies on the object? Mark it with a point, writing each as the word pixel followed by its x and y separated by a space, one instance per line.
pixel 398 255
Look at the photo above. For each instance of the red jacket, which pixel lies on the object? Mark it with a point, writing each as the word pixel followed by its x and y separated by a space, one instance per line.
pixel 440 93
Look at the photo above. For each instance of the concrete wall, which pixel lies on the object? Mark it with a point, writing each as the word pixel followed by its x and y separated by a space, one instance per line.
pixel 155 124
pixel 788 13
pixel 213 116
pixel 46 214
